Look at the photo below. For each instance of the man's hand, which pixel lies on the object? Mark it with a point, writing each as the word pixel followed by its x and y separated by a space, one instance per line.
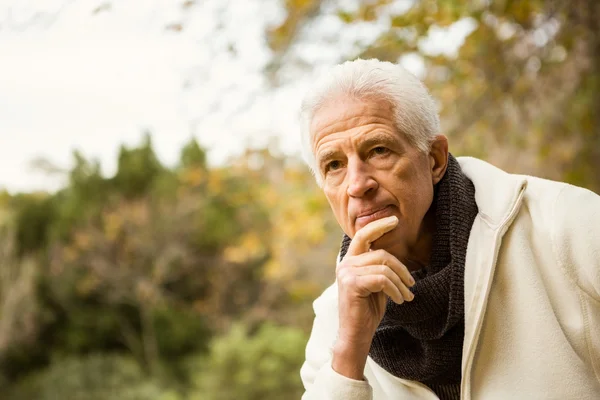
pixel 365 279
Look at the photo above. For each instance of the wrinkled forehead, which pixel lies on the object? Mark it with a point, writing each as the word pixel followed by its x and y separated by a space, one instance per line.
pixel 344 113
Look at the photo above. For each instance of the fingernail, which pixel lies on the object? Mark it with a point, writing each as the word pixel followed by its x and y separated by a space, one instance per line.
pixel 412 281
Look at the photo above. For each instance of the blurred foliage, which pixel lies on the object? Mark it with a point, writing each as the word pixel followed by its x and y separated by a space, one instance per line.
pixel 93 377
pixel 150 264
pixel 522 91
pixel 262 366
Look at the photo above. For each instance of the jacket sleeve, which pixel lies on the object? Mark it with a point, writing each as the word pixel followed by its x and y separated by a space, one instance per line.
pixel 577 247
pixel 320 381
pixel 576 237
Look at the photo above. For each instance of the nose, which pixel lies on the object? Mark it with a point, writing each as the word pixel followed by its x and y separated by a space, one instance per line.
pixel 360 179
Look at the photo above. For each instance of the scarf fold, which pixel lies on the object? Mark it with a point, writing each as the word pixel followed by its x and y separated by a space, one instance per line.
pixel 422 340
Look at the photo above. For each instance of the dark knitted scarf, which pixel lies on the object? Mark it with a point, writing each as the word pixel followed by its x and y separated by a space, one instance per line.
pixel 422 340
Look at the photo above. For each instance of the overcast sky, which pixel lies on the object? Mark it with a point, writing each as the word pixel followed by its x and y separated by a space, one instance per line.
pixel 72 78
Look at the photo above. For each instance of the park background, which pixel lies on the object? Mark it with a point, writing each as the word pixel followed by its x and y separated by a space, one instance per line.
pixel 160 237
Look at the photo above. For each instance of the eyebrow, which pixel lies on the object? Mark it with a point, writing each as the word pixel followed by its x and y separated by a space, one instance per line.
pixel 326 156
pixel 377 138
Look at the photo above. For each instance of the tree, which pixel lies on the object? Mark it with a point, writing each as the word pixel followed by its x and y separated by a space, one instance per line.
pixel 522 91
pixel 259 366
pixel 137 169
pixel 192 155
pixel 94 377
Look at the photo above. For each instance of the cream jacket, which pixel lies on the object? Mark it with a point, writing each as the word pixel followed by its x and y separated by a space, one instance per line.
pixel 532 300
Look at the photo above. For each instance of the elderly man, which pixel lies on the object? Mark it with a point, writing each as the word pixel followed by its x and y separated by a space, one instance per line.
pixel 455 279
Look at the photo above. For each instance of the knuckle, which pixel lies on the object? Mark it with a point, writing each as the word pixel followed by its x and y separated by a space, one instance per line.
pixel 349 260
pixel 385 257
pixel 382 269
pixel 344 265
pixel 390 258
pixel 381 280
pixel 380 253
pixel 341 266
pixel 359 237
pixel 403 267
pixel 347 279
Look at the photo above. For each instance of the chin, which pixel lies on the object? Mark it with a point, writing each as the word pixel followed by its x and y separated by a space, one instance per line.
pixel 387 242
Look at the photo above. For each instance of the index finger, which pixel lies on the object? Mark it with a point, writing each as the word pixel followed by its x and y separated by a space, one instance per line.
pixel 361 242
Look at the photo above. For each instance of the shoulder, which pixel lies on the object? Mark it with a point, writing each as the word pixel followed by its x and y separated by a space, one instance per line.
pixel 497 191
pixel 578 200
pixel 575 232
pixel 568 216
pixel 570 210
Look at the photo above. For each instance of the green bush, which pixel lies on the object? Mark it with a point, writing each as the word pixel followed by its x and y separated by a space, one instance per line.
pixel 241 366
pixel 94 377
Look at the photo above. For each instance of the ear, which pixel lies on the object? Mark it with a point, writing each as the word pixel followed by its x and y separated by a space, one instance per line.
pixel 438 158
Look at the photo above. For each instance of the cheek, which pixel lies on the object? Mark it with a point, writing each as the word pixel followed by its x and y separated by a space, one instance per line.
pixel 339 205
pixel 425 200
pixel 414 193
pixel 421 202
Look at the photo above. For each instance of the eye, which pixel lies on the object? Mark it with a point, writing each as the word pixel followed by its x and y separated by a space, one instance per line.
pixel 333 165
pixel 380 150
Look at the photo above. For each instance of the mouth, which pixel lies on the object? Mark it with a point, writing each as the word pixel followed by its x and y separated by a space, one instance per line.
pixel 372 215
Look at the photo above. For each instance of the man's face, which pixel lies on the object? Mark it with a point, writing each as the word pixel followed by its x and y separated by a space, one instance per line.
pixel 371 171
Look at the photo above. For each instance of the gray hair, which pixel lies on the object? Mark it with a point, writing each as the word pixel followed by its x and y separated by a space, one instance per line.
pixel 415 110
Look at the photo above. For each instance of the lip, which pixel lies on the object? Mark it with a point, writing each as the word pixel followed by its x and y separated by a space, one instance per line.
pixel 368 216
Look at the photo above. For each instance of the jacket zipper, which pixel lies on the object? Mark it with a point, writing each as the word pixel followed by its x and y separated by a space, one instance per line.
pixel 501 230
